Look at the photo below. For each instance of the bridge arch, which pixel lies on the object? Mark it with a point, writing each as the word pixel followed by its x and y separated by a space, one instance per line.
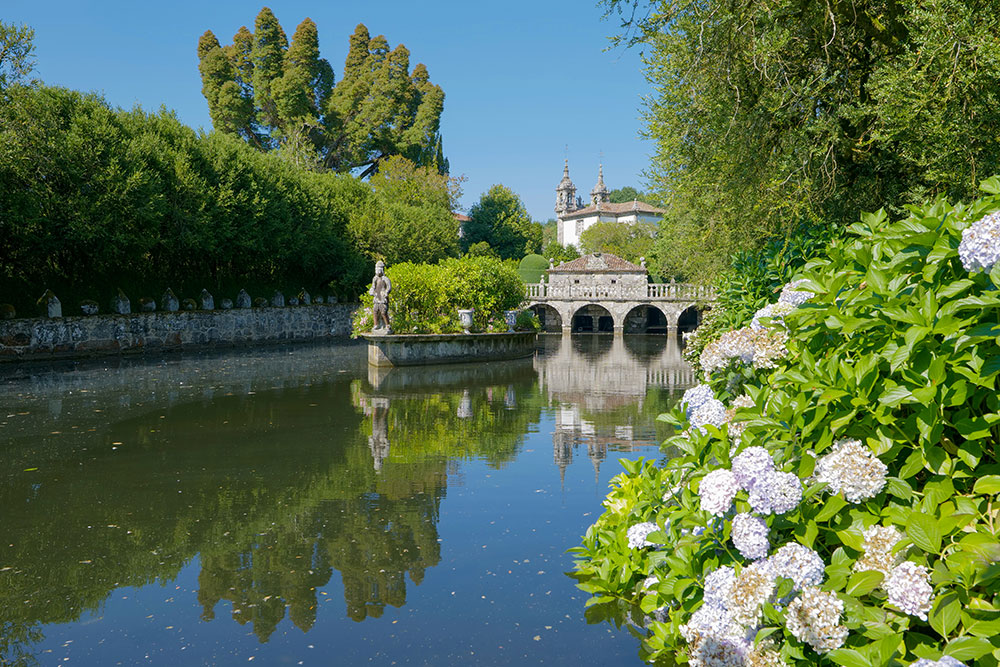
pixel 689 319
pixel 549 317
pixel 645 318
pixel 594 318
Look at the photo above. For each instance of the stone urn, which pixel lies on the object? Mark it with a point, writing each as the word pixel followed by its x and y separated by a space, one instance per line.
pixel 510 317
pixel 465 318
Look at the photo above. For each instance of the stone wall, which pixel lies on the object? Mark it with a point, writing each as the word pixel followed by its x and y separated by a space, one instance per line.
pixel 71 337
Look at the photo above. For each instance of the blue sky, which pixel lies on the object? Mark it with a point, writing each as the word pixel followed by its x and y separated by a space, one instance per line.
pixel 522 79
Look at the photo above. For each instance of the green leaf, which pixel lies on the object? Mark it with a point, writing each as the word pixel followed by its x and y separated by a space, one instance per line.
pixel 832 506
pixel 946 614
pixel 988 484
pixel 863 583
pixel 968 648
pixel 849 658
pixel 924 531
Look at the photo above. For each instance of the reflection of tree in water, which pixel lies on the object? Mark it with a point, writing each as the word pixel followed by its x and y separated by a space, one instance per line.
pixel 373 539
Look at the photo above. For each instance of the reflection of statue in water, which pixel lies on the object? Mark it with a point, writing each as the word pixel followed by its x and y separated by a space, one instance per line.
pixel 381 286
pixel 378 442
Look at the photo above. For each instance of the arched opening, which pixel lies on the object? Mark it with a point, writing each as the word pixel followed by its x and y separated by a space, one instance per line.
pixel 548 316
pixel 689 319
pixel 646 319
pixel 593 319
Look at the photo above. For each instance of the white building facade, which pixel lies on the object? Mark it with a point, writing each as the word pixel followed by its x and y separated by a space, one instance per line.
pixel 573 218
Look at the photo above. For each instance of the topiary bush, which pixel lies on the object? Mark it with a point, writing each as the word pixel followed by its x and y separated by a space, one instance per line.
pixel 835 496
pixel 425 298
pixel 532 268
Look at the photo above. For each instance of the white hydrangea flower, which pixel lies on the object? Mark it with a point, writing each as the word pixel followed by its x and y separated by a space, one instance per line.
pixel 718 585
pixel 753 586
pixel 709 651
pixel 777 493
pixel 768 347
pixel 852 469
pixel 774 312
pixel 736 427
pixel 751 465
pixel 711 412
pixel 763 655
pixel 878 547
pixel 792 295
pixel 943 661
pixel 749 535
pixel 980 246
pixel 799 563
pixel 736 344
pixel 694 397
pixel 814 618
pixel 717 490
pixel 637 535
pixel 909 589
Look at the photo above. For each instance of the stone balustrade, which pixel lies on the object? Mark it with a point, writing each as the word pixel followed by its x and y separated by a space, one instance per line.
pixel 620 292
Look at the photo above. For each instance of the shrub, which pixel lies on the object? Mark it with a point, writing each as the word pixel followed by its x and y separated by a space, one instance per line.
pixel 858 450
pixel 425 298
pixel 527 320
pixel 532 268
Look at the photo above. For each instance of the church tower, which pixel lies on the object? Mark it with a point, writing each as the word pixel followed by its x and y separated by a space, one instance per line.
pixel 599 195
pixel 565 194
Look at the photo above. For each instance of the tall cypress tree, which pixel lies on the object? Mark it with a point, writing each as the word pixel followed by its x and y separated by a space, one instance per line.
pixel 278 95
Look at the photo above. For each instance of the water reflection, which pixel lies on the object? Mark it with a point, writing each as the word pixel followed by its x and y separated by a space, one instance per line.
pixel 271 471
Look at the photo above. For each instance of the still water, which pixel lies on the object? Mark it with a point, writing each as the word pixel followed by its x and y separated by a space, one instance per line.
pixel 294 506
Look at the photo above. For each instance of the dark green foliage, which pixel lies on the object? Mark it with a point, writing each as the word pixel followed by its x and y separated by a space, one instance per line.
pixel 425 298
pixel 410 218
pixel 532 268
pixel 500 219
pixel 626 194
pixel 560 253
pixel 770 115
pixel 95 197
pixel 527 320
pixel 281 96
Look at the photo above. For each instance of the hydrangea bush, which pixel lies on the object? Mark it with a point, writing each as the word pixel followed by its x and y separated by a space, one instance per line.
pixel 843 509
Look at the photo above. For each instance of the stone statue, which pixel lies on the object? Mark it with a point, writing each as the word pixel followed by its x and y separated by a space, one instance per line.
pixel 381 286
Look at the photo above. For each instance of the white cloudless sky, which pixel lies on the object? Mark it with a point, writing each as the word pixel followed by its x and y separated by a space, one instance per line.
pixel 523 80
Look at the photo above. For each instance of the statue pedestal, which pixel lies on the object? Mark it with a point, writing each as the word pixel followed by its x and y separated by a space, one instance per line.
pixel 420 349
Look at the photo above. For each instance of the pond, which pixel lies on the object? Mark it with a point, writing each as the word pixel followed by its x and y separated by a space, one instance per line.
pixel 294 506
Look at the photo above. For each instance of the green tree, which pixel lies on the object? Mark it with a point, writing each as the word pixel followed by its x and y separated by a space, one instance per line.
pixel 767 115
pixel 560 253
pixel 626 194
pixel 500 219
pixel 282 96
pixel 16 52
pixel 630 242
pixel 409 216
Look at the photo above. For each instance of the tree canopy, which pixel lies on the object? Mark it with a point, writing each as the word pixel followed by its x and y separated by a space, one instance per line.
pixel 630 242
pixel 626 194
pixel 766 115
pixel 281 96
pixel 500 219
pixel 410 218
pixel 16 49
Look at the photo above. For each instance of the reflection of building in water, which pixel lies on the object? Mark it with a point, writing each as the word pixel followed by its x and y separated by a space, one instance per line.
pixel 378 442
pixel 594 375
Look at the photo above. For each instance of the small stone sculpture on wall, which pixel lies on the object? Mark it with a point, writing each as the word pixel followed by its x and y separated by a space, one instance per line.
pixel 381 286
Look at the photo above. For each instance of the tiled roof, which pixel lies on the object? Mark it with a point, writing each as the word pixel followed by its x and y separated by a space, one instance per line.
pixel 616 209
pixel 461 218
pixel 599 262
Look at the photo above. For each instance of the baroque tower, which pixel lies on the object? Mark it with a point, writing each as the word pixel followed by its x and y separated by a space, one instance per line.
pixel 566 201
pixel 599 195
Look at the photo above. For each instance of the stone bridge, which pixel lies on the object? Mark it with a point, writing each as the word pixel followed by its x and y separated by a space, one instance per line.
pixel 619 307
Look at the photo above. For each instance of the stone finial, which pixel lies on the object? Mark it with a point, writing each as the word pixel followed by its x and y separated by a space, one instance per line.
pixel 189 304
pixel 120 305
pixel 642 262
pixel 227 304
pixel 147 305
pixel 331 299
pixel 50 305
pixel 88 307
pixel 7 311
pixel 169 301
pixel 278 299
pixel 552 263
pixel 207 300
pixel 304 297
pixel 243 299
pixel 293 301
